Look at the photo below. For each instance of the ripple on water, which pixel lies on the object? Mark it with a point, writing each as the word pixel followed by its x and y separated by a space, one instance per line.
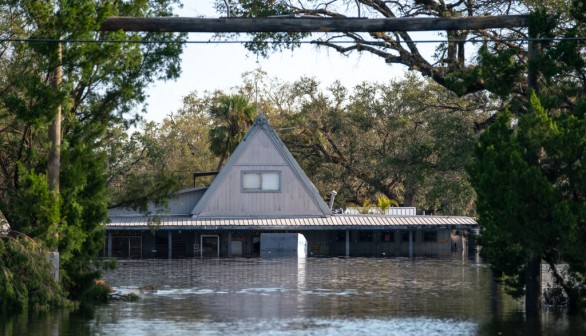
pixel 188 291
pixel 297 326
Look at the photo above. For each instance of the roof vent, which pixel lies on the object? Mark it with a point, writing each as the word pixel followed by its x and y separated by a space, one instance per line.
pixel 332 197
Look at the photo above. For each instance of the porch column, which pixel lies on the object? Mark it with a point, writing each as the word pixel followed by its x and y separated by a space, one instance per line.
pixel 347 243
pixel 229 244
pixel 410 244
pixel 170 244
pixel 109 246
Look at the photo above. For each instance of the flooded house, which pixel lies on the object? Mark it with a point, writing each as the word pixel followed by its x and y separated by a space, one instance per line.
pixel 262 189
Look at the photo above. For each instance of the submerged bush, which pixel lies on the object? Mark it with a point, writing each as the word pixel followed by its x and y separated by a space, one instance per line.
pixel 26 278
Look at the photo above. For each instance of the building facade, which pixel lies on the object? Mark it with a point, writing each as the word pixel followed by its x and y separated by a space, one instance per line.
pixel 260 189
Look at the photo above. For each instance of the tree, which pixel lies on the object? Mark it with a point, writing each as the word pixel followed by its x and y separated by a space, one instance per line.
pixel 24 284
pixel 528 177
pixel 449 66
pixel 232 116
pixel 524 186
pixel 102 84
pixel 160 158
pixel 138 168
pixel 408 140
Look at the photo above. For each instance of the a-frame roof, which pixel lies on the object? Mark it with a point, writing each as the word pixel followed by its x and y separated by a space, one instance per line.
pixel 261 149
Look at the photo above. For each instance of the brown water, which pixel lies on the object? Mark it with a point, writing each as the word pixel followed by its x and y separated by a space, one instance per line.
pixel 329 296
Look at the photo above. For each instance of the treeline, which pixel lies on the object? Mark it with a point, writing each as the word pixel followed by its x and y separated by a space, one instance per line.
pixel 471 138
pixel 409 140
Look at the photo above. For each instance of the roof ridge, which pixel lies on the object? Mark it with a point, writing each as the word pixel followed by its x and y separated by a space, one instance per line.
pixel 261 124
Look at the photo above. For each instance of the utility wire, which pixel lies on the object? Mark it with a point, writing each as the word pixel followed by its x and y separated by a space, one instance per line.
pixel 552 39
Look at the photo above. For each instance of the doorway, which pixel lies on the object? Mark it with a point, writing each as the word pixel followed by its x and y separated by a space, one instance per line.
pixel 210 246
pixel 236 248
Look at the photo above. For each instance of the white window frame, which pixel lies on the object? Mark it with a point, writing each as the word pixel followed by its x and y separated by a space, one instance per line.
pixel 260 172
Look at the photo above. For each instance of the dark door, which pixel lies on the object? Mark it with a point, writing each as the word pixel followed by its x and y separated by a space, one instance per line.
pixel 210 246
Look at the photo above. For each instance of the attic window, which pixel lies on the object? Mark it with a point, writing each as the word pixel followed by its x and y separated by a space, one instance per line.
pixel 261 181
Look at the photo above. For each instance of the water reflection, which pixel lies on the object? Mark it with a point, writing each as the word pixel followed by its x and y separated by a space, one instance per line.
pixel 330 296
pixel 226 290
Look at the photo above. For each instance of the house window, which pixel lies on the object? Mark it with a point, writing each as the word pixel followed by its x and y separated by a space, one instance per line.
pixel 365 236
pixel 430 236
pixel 387 236
pixel 261 181
pixel 127 246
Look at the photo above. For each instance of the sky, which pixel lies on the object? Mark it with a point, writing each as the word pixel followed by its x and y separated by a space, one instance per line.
pixel 209 67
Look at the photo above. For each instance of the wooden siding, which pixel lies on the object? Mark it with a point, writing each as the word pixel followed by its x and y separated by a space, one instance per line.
pixel 181 202
pixel 184 202
pixel 228 200
pixel 261 152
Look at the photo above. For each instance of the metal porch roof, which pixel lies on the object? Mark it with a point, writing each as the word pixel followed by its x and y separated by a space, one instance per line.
pixel 313 223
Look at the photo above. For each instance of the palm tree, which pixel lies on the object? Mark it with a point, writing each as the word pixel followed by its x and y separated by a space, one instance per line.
pixel 232 117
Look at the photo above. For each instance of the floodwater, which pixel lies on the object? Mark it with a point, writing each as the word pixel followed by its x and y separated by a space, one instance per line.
pixel 317 296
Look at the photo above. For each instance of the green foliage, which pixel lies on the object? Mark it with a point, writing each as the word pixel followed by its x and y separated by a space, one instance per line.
pixel 34 209
pixel 150 164
pixel 529 198
pixel 366 207
pixel 561 64
pixel 232 116
pixel 501 71
pixel 453 66
pixel 407 140
pixel 83 185
pixel 528 177
pixel 138 170
pixel 102 83
pixel 26 280
pixel 259 43
pixel 384 203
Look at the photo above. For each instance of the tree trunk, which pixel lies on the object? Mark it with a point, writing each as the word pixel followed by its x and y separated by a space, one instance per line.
pixel 408 195
pixel 533 285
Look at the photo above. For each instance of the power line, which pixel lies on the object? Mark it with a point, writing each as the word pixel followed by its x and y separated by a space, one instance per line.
pixel 525 39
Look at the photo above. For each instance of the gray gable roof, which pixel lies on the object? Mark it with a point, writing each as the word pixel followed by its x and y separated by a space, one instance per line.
pixel 261 149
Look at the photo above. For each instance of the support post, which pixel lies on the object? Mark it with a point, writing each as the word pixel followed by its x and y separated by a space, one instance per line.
pixel 170 244
pixel 55 129
pixel 54 165
pixel 109 247
pixel 410 244
pixel 229 244
pixel 532 60
pixel 53 259
pixel 347 243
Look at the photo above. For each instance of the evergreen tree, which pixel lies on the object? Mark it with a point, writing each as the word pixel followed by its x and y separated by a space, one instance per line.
pixel 531 202
pixel 103 82
pixel 529 177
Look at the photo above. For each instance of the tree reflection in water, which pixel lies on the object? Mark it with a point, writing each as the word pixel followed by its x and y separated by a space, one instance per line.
pixel 325 296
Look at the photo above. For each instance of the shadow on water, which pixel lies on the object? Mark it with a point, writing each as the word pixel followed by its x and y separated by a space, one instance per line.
pixel 61 322
pixel 325 296
pixel 515 324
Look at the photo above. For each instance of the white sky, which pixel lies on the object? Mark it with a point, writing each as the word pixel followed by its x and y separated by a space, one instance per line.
pixel 220 66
